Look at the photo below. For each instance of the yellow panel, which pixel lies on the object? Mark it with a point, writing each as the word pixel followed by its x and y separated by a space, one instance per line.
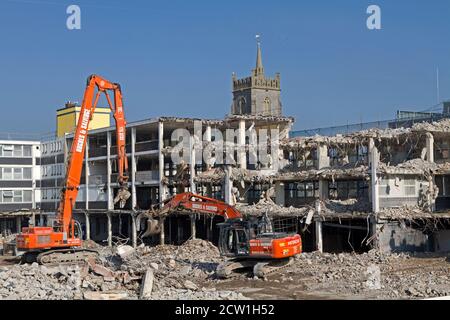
pixel 67 119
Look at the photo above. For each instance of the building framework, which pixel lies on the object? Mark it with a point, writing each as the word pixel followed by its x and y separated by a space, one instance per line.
pixel 382 188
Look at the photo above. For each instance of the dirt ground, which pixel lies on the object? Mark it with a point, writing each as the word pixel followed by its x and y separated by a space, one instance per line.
pixel 187 272
pixel 317 276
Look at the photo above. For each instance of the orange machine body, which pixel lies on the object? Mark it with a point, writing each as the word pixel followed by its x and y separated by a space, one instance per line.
pixel 273 248
pixel 44 238
pixel 63 234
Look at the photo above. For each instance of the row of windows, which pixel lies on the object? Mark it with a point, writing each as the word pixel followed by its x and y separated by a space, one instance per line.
pixel 303 190
pixel 344 190
pixel 50 194
pixel 16 196
pixel 52 147
pixel 15 174
pixel 409 186
pixel 15 150
pixel 53 170
pixel 443 183
pixel 256 191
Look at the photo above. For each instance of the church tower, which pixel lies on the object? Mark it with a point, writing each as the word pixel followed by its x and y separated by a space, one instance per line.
pixel 257 94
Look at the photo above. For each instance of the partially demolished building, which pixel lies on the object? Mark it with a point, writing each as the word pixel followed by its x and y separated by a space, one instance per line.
pixel 376 188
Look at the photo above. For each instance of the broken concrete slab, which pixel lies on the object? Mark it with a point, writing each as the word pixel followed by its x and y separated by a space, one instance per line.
pixel 147 284
pixel 125 250
pixel 90 295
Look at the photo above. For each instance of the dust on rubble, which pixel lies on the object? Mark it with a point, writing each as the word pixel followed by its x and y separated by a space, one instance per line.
pixel 188 272
pixel 177 273
pixel 372 275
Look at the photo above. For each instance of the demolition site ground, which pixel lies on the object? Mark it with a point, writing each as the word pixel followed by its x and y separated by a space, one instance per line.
pixel 188 272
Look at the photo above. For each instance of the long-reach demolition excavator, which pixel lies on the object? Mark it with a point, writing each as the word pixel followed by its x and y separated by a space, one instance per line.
pixel 61 242
pixel 248 243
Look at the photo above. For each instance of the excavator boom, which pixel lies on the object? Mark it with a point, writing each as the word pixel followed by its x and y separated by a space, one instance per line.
pixel 76 156
pixel 63 233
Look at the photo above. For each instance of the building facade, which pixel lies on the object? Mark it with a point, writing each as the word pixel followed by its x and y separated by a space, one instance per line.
pixel 387 189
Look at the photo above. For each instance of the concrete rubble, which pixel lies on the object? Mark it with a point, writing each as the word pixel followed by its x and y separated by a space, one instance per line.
pixel 187 272
pixel 373 275
pixel 162 272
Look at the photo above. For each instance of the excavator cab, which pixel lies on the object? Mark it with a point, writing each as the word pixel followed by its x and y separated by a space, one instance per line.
pixel 234 238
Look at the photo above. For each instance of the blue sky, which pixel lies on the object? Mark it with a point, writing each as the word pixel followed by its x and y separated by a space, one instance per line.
pixel 176 57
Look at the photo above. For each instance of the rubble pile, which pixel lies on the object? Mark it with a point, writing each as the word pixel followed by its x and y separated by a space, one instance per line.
pixel 40 282
pixel 373 275
pixel 162 272
pixel 179 271
pixel 271 208
pixel 352 206
pixel 342 172
pixel 405 213
pixel 415 166
pixel 439 126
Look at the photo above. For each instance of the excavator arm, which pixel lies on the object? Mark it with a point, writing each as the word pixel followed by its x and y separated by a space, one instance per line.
pixel 95 87
pixel 186 202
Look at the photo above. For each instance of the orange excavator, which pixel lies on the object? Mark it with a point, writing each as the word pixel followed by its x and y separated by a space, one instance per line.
pixel 62 242
pixel 248 243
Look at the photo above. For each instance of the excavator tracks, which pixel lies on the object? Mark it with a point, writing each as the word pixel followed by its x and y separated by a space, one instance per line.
pixel 263 269
pixel 232 267
pixel 61 256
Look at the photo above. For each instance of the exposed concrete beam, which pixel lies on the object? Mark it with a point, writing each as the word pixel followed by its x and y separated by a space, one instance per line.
pixel 318 228
pixel 162 187
pixel 88 226
pixel 19 224
pixel 192 164
pixel 430 147
pixel 374 158
pixel 133 231
pixel 280 193
pixel 319 239
pixel 228 186
pixel 109 172
pixel 109 228
pixel 162 237
pixel 242 160
pixel 133 168
pixel 193 227
pixel 323 160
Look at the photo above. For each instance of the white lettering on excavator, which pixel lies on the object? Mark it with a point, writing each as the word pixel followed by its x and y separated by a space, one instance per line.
pixel 83 131
pixel 204 207
pixel 121 134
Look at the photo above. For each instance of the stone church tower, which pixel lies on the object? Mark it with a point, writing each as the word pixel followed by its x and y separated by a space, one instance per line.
pixel 257 94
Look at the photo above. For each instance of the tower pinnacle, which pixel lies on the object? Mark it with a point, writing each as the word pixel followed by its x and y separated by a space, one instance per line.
pixel 259 65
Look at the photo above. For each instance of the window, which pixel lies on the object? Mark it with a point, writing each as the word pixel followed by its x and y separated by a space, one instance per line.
pixel 27 173
pixel 303 189
pixel 17 151
pixel 8 151
pixel 267 106
pixel 17 196
pixel 7 196
pixel 410 187
pixel 309 189
pixel 27 151
pixel 27 196
pixel 17 174
pixel 7 174
pixel 241 106
pixel 353 189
